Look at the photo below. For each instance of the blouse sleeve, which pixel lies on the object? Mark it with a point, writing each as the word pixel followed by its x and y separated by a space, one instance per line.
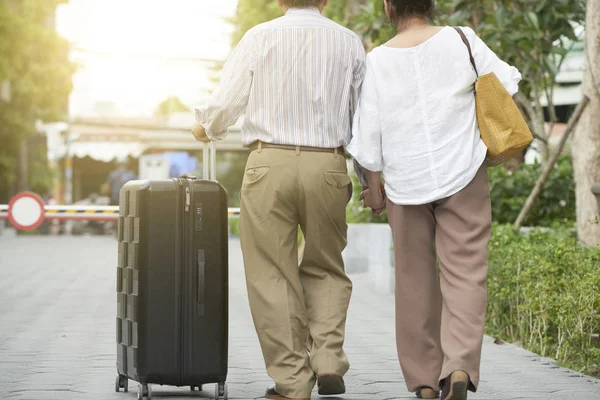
pixel 487 61
pixel 365 145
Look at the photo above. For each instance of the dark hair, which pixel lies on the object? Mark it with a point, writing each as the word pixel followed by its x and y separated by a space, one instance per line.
pixel 405 9
pixel 302 3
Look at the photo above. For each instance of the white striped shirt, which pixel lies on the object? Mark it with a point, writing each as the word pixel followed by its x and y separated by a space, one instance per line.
pixel 297 78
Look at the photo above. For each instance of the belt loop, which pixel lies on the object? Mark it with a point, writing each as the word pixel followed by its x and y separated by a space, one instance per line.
pixel 297 150
pixel 259 146
pixel 335 151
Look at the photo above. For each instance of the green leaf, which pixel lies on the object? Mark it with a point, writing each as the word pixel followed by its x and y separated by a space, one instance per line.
pixel 561 51
pixel 526 45
pixel 550 67
pixel 568 31
pixel 501 16
pixel 532 20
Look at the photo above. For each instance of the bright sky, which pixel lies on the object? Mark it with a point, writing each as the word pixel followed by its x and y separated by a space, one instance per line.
pixel 138 52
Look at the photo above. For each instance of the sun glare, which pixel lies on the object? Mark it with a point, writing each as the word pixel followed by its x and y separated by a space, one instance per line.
pixel 133 52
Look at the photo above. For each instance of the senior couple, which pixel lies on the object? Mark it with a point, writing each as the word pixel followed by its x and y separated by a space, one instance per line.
pixel 407 109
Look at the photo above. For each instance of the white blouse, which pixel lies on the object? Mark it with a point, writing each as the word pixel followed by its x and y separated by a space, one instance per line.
pixel 416 118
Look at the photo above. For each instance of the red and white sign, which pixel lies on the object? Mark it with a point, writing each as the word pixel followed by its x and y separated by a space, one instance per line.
pixel 26 211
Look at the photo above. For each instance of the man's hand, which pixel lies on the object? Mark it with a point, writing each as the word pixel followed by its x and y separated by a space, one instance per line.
pixel 200 134
pixel 374 198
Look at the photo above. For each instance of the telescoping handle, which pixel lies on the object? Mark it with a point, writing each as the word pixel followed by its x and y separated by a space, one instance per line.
pixel 209 161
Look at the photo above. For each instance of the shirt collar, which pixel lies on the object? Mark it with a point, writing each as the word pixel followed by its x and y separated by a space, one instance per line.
pixel 294 10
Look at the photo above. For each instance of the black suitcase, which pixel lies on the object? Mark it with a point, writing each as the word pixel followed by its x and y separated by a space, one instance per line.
pixel 172 284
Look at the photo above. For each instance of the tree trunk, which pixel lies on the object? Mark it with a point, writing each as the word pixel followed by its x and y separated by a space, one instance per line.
pixel 586 142
pixel 23 166
pixel 544 150
pixel 514 164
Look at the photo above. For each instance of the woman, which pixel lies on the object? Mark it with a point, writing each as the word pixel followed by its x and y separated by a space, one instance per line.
pixel 416 122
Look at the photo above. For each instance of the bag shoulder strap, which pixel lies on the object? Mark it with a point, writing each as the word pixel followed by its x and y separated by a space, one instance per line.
pixel 466 42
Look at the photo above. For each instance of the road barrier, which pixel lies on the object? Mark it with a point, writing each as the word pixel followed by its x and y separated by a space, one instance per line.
pixel 26 213
pixel 102 213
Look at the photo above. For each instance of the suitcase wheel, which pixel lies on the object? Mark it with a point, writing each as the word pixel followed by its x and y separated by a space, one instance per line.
pixel 144 392
pixel 194 387
pixel 122 382
pixel 221 391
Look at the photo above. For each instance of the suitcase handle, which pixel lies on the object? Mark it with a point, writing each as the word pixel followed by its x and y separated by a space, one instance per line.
pixel 201 281
pixel 188 176
pixel 209 161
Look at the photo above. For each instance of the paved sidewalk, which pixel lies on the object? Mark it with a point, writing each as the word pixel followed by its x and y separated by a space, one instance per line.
pixel 57 335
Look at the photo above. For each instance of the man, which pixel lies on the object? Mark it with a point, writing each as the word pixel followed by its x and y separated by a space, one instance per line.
pixel 116 180
pixel 297 78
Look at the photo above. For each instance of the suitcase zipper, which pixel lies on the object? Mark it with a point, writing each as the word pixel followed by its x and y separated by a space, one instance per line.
pixel 185 309
pixel 184 281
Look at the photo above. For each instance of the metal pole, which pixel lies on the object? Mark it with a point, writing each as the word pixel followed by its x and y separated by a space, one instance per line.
pixel 213 161
pixel 68 181
pixel 205 162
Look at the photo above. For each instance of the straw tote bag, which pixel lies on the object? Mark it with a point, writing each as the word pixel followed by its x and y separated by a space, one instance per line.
pixel 503 128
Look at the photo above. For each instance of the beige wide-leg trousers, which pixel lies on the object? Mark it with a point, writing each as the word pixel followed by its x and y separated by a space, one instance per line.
pixel 299 312
pixel 440 322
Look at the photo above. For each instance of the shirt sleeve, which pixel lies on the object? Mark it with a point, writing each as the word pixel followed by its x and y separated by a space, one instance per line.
pixel 230 99
pixel 487 61
pixel 358 77
pixel 365 145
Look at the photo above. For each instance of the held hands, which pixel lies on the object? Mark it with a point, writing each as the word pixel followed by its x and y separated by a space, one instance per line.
pixel 374 198
pixel 200 134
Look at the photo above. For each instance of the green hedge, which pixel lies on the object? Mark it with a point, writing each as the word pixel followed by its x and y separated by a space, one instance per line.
pixel 234 227
pixel 509 191
pixel 543 290
pixel 556 203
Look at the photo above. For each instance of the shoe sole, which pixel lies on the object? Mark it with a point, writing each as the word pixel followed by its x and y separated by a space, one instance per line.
pixel 331 385
pixel 427 393
pixel 459 385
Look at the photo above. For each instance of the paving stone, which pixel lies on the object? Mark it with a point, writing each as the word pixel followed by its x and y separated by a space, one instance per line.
pixel 57 315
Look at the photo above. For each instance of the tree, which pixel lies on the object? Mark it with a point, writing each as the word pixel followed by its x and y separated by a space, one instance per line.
pixel 534 36
pixel 586 143
pixel 34 59
pixel 169 106
pixel 250 13
pixel 372 24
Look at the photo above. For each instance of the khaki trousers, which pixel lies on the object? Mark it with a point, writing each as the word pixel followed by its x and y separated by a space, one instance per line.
pixel 299 311
pixel 440 322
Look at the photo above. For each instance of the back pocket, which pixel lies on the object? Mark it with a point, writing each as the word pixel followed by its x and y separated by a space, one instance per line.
pixel 255 174
pixel 338 180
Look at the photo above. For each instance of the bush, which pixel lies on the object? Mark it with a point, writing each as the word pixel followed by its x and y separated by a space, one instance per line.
pixel 543 293
pixel 509 191
pixel 234 227
pixel 556 203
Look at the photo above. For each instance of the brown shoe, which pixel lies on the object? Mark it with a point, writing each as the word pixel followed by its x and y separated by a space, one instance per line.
pixel 272 394
pixel 329 384
pixel 427 393
pixel 456 386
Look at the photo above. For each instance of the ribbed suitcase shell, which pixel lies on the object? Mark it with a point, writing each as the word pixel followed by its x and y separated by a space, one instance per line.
pixel 172 282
